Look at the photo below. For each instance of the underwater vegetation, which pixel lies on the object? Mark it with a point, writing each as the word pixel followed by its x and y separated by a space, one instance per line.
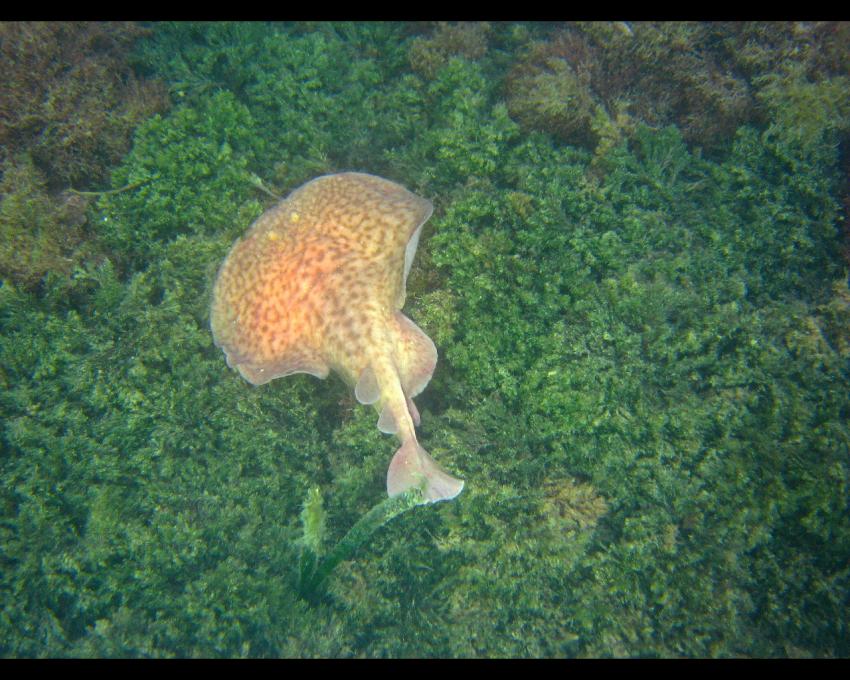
pixel 642 316
pixel 588 81
pixel 68 107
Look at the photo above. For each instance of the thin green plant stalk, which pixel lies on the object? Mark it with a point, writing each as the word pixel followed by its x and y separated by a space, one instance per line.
pixel 315 569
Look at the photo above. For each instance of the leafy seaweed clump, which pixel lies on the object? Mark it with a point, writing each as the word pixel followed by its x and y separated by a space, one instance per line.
pixel 191 173
pixel 70 98
pixel 69 102
pixel 708 78
pixel 39 233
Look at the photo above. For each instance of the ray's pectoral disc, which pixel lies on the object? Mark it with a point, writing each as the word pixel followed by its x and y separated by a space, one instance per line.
pixel 317 284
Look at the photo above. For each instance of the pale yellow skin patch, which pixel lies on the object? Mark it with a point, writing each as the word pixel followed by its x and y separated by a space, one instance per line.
pixel 317 284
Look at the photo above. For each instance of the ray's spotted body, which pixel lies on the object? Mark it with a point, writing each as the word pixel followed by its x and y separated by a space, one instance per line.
pixel 317 284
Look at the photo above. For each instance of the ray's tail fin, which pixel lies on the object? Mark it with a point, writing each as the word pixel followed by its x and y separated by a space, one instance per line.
pixel 411 466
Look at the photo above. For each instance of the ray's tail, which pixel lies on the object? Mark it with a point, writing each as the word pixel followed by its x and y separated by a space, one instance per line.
pixel 411 466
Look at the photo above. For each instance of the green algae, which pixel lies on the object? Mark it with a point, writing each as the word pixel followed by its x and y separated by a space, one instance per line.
pixel 643 379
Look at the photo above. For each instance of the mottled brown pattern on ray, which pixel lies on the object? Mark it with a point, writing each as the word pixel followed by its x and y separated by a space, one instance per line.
pixel 317 284
pixel 336 240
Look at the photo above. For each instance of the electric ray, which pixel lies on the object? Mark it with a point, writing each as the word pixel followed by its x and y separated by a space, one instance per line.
pixel 317 284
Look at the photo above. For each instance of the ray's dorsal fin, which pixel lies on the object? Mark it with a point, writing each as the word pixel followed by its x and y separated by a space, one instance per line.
pixel 366 390
pixel 386 422
pixel 414 412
